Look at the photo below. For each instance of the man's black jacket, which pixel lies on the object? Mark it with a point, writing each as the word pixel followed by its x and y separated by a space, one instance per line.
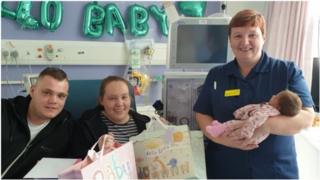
pixel 52 141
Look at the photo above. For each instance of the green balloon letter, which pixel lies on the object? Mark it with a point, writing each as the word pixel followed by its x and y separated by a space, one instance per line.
pixel 114 19
pixel 93 20
pixel 55 22
pixel 24 17
pixel 6 12
pixel 138 20
pixel 161 18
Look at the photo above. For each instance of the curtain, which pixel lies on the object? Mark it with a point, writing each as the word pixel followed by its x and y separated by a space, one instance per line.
pixel 290 33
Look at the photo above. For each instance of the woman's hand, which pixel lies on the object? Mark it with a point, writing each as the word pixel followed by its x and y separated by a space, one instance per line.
pixel 259 135
pixel 240 129
pixel 229 139
pixel 226 140
pixel 233 137
pixel 109 143
pixel 205 120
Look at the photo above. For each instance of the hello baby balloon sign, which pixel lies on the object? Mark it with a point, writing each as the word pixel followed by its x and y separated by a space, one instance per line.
pixel 98 19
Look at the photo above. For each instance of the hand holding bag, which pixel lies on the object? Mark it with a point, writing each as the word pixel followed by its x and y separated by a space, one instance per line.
pixel 119 163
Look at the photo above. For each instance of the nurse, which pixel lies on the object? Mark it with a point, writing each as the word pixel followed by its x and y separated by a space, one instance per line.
pixel 252 77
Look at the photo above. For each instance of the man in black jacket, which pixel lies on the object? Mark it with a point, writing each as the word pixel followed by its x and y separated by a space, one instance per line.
pixel 35 126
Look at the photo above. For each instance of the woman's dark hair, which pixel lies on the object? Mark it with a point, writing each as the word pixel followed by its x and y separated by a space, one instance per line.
pixel 108 80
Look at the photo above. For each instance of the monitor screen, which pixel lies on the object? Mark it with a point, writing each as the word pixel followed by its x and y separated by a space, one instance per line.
pixel 315 83
pixel 202 44
pixel 199 43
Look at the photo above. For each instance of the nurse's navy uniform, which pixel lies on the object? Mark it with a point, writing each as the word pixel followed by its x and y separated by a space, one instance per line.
pixel 276 155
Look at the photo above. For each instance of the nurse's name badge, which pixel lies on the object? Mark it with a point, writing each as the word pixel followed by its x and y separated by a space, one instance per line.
pixel 231 92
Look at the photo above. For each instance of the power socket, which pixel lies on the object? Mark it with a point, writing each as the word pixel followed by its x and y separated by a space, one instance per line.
pixel 4 53
pixel 14 54
pixel 29 80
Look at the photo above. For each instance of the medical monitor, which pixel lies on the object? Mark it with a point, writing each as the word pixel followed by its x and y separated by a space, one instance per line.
pixel 180 92
pixel 200 42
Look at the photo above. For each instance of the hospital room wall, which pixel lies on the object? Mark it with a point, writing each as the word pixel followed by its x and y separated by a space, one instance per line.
pixel 72 32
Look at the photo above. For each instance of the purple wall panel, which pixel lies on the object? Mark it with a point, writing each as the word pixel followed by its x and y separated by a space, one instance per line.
pixel 71 30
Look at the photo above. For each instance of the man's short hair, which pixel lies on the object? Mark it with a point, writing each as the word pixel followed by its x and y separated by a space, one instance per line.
pixel 54 72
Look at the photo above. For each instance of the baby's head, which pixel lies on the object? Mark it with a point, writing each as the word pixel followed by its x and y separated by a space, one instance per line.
pixel 287 102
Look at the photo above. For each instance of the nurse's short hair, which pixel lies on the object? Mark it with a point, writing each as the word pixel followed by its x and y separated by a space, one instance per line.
pixel 248 17
pixel 289 103
pixel 54 72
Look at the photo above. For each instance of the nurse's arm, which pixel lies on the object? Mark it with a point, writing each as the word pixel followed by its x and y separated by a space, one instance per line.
pixel 205 120
pixel 285 125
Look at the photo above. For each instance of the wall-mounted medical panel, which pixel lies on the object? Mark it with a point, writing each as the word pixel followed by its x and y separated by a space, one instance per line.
pixel 43 52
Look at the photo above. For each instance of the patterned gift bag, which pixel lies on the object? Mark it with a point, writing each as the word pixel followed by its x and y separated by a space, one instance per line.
pixel 117 164
pixel 169 152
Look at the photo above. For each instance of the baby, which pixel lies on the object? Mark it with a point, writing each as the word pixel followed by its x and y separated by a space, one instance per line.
pixel 285 103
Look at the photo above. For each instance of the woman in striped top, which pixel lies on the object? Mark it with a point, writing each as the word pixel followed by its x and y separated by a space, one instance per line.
pixel 112 115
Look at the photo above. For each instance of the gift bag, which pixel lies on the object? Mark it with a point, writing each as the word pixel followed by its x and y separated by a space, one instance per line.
pixel 169 152
pixel 117 164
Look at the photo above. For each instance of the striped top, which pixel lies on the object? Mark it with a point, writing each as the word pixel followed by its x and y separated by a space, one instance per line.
pixel 121 132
